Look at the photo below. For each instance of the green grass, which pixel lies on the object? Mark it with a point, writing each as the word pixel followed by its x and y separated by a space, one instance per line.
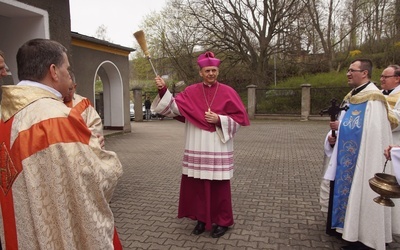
pixel 330 79
pixel 324 87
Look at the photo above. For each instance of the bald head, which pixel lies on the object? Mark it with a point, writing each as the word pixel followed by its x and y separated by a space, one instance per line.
pixel 390 77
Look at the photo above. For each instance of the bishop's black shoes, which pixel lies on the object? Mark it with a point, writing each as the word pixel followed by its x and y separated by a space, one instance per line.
pixel 219 231
pixel 199 228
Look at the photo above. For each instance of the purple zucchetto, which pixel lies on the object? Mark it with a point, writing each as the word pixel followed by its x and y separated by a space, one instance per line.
pixel 207 59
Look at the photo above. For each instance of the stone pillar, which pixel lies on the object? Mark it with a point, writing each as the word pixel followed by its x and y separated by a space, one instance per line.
pixel 137 97
pixel 305 101
pixel 251 100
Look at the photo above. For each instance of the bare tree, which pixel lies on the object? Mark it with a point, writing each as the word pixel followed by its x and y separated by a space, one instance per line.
pixel 173 40
pixel 396 18
pixel 242 32
pixel 101 33
pixel 247 34
pixel 317 11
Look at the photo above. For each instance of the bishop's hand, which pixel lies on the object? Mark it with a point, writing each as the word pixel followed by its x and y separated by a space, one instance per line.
pixel 160 83
pixel 211 117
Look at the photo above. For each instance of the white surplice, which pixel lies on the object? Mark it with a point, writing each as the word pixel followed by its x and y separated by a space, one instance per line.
pixel 394 103
pixel 365 220
pixel 208 155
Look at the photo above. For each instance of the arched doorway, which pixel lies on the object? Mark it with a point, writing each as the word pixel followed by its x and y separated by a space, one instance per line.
pixel 94 59
pixel 112 97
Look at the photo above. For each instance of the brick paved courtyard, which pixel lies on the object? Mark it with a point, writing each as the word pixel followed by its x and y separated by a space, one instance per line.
pixel 275 188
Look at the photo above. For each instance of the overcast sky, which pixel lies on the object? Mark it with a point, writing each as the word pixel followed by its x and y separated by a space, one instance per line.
pixel 121 17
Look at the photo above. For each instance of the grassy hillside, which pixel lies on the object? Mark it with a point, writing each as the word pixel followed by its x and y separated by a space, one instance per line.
pixel 331 79
pixel 286 98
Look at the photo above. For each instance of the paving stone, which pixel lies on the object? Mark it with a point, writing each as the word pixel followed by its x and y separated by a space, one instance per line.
pixel 275 188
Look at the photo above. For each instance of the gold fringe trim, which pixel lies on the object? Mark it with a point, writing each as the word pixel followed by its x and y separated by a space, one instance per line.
pixel 374 95
pixel 392 99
